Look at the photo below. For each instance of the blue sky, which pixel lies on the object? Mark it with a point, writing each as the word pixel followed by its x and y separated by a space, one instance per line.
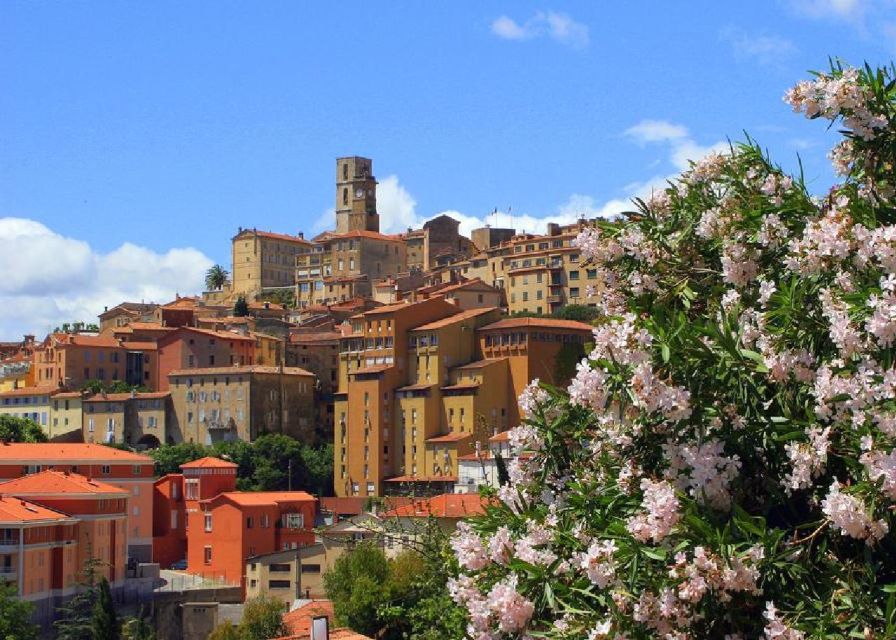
pixel 140 136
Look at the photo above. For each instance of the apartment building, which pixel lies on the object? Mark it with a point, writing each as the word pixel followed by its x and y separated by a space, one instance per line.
pixel 263 260
pixel 225 526
pixel 130 472
pixel 137 419
pixel 318 352
pixel 195 348
pixel 242 402
pixel 66 416
pixel 436 244
pixel 70 359
pixel 125 313
pixel 372 364
pixel 416 395
pixel 100 514
pixel 29 402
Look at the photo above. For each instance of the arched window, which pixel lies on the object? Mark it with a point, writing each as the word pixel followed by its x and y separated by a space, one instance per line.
pixel 344 195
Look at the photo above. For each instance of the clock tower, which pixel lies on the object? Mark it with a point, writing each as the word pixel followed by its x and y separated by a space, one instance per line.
pixel 355 195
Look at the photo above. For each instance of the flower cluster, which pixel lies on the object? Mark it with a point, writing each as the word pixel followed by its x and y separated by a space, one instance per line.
pixel 727 450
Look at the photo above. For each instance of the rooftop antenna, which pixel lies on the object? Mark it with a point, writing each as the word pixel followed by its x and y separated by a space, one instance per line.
pixel 510 213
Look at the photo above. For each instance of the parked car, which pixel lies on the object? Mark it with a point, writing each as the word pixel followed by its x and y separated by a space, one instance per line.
pixel 179 565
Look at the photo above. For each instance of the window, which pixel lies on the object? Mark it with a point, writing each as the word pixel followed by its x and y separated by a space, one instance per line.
pixel 265 521
pixel 370 488
pixel 279 584
pixel 573 275
pixel 574 292
pixel 208 554
pixel 591 273
pixel 281 568
pixel 173 519
pixel 250 522
pixel 106 470
pixel 191 489
pixel 310 568
pixel 208 522
pixel 293 521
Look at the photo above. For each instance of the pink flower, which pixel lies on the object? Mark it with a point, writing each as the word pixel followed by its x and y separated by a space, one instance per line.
pixel 661 506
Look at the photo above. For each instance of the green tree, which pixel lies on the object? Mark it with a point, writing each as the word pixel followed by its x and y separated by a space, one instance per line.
pixel 357 585
pixel 74 619
pixel 578 312
pixel 15 616
pixel 241 307
pixel 169 457
pixel 137 628
pixel 262 618
pixel 225 631
pixel 15 429
pixel 104 623
pixel 216 277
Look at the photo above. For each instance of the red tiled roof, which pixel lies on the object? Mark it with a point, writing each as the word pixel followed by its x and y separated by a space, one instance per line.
pixel 475 283
pixel 15 510
pixel 209 463
pixel 223 335
pixel 420 386
pixel 147 326
pixel 298 621
pixel 272 306
pixel 447 505
pixel 543 323
pixel 274 236
pixel 350 504
pixel 422 479
pixel 479 364
pixel 121 397
pixel 311 338
pixel 58 482
pixel 29 391
pixel 377 368
pixel 335 634
pixel 81 340
pixel 62 453
pixel 458 317
pixel 504 436
pixel 261 498
pixel 140 346
pixel 364 234
pixel 253 368
pixel 450 437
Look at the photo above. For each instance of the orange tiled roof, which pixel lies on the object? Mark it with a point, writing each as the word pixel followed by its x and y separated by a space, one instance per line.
pixel 81 340
pixel 58 482
pixel 298 621
pixel 223 335
pixel 450 437
pixel 458 317
pixel 504 436
pixel 479 364
pixel 348 504
pixel 62 453
pixel 209 462
pixel 29 391
pixel 272 306
pixel 121 397
pixel 461 386
pixel 274 236
pixel 335 634
pixel 252 368
pixel 140 346
pixel 543 323
pixel 15 510
pixel 185 302
pixel 261 498
pixel 447 505
pixel 148 326
pixel 310 338
pixel 358 233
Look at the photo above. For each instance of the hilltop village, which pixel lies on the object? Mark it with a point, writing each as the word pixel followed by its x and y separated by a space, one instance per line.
pixel 405 353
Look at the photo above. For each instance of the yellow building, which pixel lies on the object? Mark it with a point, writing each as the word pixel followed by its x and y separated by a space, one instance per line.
pixel 241 403
pixel 66 416
pixel 29 402
pixel 138 419
pixel 263 260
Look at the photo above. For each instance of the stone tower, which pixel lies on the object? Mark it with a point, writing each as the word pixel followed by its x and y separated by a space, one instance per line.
pixel 355 195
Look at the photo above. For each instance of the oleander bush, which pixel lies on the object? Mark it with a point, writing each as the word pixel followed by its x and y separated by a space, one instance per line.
pixel 722 466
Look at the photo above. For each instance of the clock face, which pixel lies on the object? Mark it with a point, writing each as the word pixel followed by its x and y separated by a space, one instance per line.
pixel 359 193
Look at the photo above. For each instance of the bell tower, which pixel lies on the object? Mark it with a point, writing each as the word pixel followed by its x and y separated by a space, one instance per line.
pixel 355 195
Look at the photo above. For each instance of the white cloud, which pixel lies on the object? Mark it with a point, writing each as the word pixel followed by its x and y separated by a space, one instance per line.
pixel 50 278
pixel 398 209
pixel 850 10
pixel 557 26
pixel 655 131
pixel 764 48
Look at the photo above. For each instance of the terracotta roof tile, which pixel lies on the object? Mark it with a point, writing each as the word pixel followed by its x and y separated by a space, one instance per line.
pixel 29 391
pixel 349 504
pixel 58 482
pixel 140 346
pixel 298 621
pixel 261 498
pixel 538 323
pixel 15 510
pixel 458 317
pixel 209 462
pixel 447 505
pixel 62 453
pixel 450 437
pixel 254 368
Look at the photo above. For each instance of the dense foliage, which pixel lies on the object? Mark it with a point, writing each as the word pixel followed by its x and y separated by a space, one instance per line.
pixel 262 620
pixel 403 597
pixel 723 465
pixel 264 465
pixel 240 307
pixel 15 616
pixel 15 429
pixel 115 386
pixel 90 613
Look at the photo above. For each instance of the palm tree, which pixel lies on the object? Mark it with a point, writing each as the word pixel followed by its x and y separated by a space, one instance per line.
pixel 216 278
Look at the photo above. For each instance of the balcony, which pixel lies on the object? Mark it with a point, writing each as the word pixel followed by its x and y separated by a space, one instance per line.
pixel 218 425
